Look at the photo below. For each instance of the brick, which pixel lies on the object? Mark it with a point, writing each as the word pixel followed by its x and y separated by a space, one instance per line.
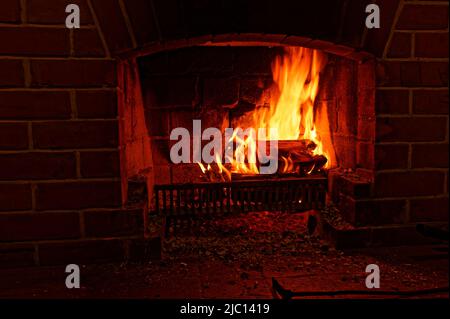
pixel 366 74
pixel 220 91
pixel 345 147
pixel 395 184
pixel 165 91
pixel 251 90
pixel 182 117
pixel 255 60
pixel 351 238
pixel 114 223
pixel 77 195
pixel 162 174
pixel 75 134
pixel 366 101
pixel 431 45
pixel 39 226
pixel 87 42
pixel 423 17
pixel 10 11
pixel 369 212
pixel 413 129
pixel 365 155
pixel 113 25
pixel 161 152
pixel 96 104
pixel 334 176
pixel 81 252
pixel 391 156
pixel 13 136
pixel 430 209
pixel 201 60
pixel 392 101
pixel 137 189
pixel 100 164
pixel 366 128
pixel 145 29
pixel 354 187
pixel 376 39
pixel 159 120
pixel 15 197
pixel 22 41
pixel 73 73
pixel 213 116
pixel 16 255
pixel 430 102
pixel 36 165
pixel 400 46
pixel 12 73
pixel 430 155
pixel 399 235
pixel 53 12
pixel 140 151
pixel 24 105
pixel 413 73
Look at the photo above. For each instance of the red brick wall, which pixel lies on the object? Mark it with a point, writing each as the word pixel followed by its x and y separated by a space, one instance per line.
pixel 412 113
pixel 60 190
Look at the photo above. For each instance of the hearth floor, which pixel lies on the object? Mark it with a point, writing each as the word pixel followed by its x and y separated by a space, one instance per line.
pixel 237 258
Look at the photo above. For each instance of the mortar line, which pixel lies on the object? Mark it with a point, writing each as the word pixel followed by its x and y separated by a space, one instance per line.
pixel 30 136
pixel 393 26
pixel 99 29
pixel 71 43
pixel 26 72
pixel 78 164
pixel 42 26
pixel 23 11
pixel 73 104
pixel 128 25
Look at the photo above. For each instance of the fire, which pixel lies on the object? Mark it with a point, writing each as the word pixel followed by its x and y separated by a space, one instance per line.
pixel 291 111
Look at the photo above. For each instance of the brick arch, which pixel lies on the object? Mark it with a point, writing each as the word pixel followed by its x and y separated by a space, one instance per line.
pixel 131 25
pixel 138 164
pixel 250 39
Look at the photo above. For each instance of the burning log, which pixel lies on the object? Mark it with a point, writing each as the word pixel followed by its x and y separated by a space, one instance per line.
pixel 295 158
pixel 301 165
pixel 213 173
pixel 298 157
pixel 298 145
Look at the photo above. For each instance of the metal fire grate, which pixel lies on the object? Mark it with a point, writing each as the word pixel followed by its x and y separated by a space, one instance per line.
pixel 186 204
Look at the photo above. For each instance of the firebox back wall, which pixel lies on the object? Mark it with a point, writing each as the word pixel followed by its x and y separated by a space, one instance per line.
pixel 219 84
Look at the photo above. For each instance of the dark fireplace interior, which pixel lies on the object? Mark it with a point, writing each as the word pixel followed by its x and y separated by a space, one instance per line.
pixel 229 86
pixel 219 85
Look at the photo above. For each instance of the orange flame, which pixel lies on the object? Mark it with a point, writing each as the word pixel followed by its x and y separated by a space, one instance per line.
pixel 292 111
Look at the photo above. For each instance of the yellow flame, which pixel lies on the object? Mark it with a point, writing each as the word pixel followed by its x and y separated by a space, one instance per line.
pixel 222 169
pixel 202 167
pixel 291 111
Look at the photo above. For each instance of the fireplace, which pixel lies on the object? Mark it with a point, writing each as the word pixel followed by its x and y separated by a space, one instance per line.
pixel 234 87
pixel 322 104
pixel 85 159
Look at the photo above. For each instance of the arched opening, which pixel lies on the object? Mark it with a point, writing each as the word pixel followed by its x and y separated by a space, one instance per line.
pixel 225 80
